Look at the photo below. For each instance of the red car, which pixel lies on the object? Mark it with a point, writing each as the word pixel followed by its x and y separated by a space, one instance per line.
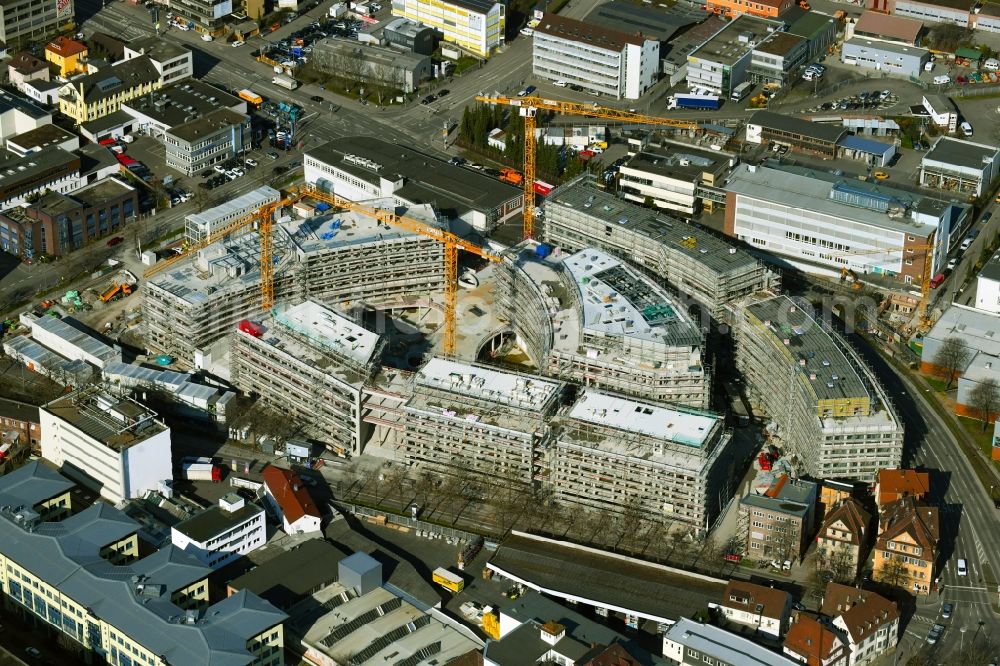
pixel 115 241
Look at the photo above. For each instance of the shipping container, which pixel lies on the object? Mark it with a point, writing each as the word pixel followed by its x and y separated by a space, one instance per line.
pixel 543 188
pixel 199 471
pixel 448 580
pixel 251 328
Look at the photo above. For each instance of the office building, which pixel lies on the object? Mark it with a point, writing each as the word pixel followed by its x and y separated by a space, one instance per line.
pixel 833 419
pixel 884 57
pixel 616 454
pixel 605 61
pixel 958 165
pixel 476 26
pixel 199 227
pixel 54 170
pixel 221 534
pixel 777 60
pixel 819 31
pixel 392 68
pixel 289 498
pixel 175 105
pixel 675 176
pixel 722 62
pixel 42 138
pixel 866 623
pixel 762 8
pixel 25 20
pixel 410 35
pixel 907 545
pixel 218 136
pixel 843 540
pixel 688 260
pixel 81 578
pixel 778 521
pixel 114 446
pixel 764 609
pixel 103 92
pixel 467 419
pixel 363 168
pixel 824 224
pixel 57 224
pixel 208 16
pixel 987 285
pixel 690 643
pixel 645 345
pixel 171 61
pixel 311 363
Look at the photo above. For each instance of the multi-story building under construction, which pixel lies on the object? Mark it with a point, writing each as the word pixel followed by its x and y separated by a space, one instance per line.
pixel 612 453
pixel 832 416
pixel 310 363
pixel 687 258
pixel 344 257
pixel 592 319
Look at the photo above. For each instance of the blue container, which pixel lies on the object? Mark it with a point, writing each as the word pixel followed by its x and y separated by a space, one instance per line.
pixel 164 360
pixel 543 250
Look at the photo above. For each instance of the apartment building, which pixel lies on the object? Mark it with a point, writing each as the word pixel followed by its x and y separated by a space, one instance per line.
pixel 171 61
pixel 24 20
pixel 220 534
pixel 57 224
pixel 103 92
pixel 843 540
pixel 82 579
pixel 605 61
pixel 289 498
pixel 722 62
pixel 693 262
pixel 765 609
pixel 618 454
pixel 678 178
pixel 822 224
pixel 906 549
pixel 833 418
pixel 895 484
pixel 470 419
pixel 690 643
pixel 66 55
pixel 201 226
pixel 218 136
pixel 813 643
pixel 364 168
pixel 867 624
pixel 24 67
pixel 114 446
pixel 958 165
pixel 779 521
pixel 591 319
pixel 335 257
pixel 310 362
pixel 476 26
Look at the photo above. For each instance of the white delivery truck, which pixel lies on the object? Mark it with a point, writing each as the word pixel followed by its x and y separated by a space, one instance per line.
pixel 285 82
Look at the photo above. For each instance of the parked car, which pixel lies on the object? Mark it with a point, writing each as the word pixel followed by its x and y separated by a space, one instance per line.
pixel 238 43
pixel 441 93
pixel 428 99
pixel 935 634
pixel 219 168
pixel 946 610
pixel 952 263
pixel 250 162
pixel 273 155
pixel 316 98
pixel 115 241
pixel 32 652
pixel 942 79
pixel 966 129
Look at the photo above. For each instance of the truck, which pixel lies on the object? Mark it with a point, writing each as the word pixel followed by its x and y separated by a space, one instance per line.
pixel 741 91
pixel 448 580
pixel 512 176
pixel 251 97
pixel 285 82
pixel 338 10
pixel 115 292
pixel 692 101
pixel 201 469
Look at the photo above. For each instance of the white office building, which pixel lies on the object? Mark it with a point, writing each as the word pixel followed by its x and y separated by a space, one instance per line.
pixel 690 643
pixel 615 64
pixel 114 446
pixel 220 534
pixel 199 226
pixel 988 286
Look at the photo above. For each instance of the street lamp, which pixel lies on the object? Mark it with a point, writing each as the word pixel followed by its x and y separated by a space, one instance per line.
pixel 962 630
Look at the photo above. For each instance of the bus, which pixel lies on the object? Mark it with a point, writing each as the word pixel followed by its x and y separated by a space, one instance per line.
pixel 741 91
pixel 448 580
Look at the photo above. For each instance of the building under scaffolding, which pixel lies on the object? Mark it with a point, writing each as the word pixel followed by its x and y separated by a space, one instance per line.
pixel 689 259
pixel 617 454
pixel 310 363
pixel 592 319
pixel 342 257
pixel 832 416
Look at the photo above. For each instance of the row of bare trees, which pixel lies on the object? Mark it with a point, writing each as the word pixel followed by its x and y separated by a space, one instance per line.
pixel 950 361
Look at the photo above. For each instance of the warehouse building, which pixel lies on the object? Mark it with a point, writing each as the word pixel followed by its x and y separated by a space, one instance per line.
pixel 833 419
pixel 114 446
pixel 796 133
pixel 342 257
pixel 823 224
pixel 616 454
pixel 819 31
pixel 591 319
pixel 362 168
pixel 675 176
pixel 885 57
pixel 80 578
pixel 310 362
pixel 722 62
pixel 650 22
pixel 602 60
pixel 988 17
pixel 462 418
pixel 689 260
pixel 957 165
pixel 886 28
pixel 476 26
pixel 928 12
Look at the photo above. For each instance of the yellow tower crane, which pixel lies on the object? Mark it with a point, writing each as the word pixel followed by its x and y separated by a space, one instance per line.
pixel 529 107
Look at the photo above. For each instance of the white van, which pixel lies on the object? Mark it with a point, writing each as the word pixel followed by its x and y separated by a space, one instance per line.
pixel 560 83
pixel 962 568
pixel 991 65
pixel 942 79
pixel 966 129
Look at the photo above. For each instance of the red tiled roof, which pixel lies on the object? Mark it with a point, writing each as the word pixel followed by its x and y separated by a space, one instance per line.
pixel 811 640
pixel 65 47
pixel 905 516
pixel 863 611
pixel 614 655
pixel 290 493
pixel 25 63
pixel 896 483
pixel 749 595
pixel 852 516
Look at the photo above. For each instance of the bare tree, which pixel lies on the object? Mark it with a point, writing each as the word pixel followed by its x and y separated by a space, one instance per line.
pixel 785 540
pixel 985 400
pixel 395 481
pixel 893 571
pixel 951 359
pixel 840 565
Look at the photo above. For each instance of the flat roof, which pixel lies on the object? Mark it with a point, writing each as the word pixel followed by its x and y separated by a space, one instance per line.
pixel 337 229
pixel 959 152
pixel 35 166
pixel 687 427
pixel 111 121
pixel 888 47
pixel 485 383
pixel 234 208
pixel 159 377
pixel 592 34
pixel 207 125
pixel 707 249
pixel 215 520
pixel 991 269
pixel 733 41
pixel 679 160
pixel 118 423
pixel 74 336
pixel 779 43
pixel 11 100
pixel 811 23
pixel 796 125
pixel 733 649
pixel 652 23
pixel 41 137
pixel 181 102
pixel 313 562
pixel 157 48
pixel 870 146
pixel 102 191
pixel 617 300
pixel 979 330
pixel 566 570
pixel 45 358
